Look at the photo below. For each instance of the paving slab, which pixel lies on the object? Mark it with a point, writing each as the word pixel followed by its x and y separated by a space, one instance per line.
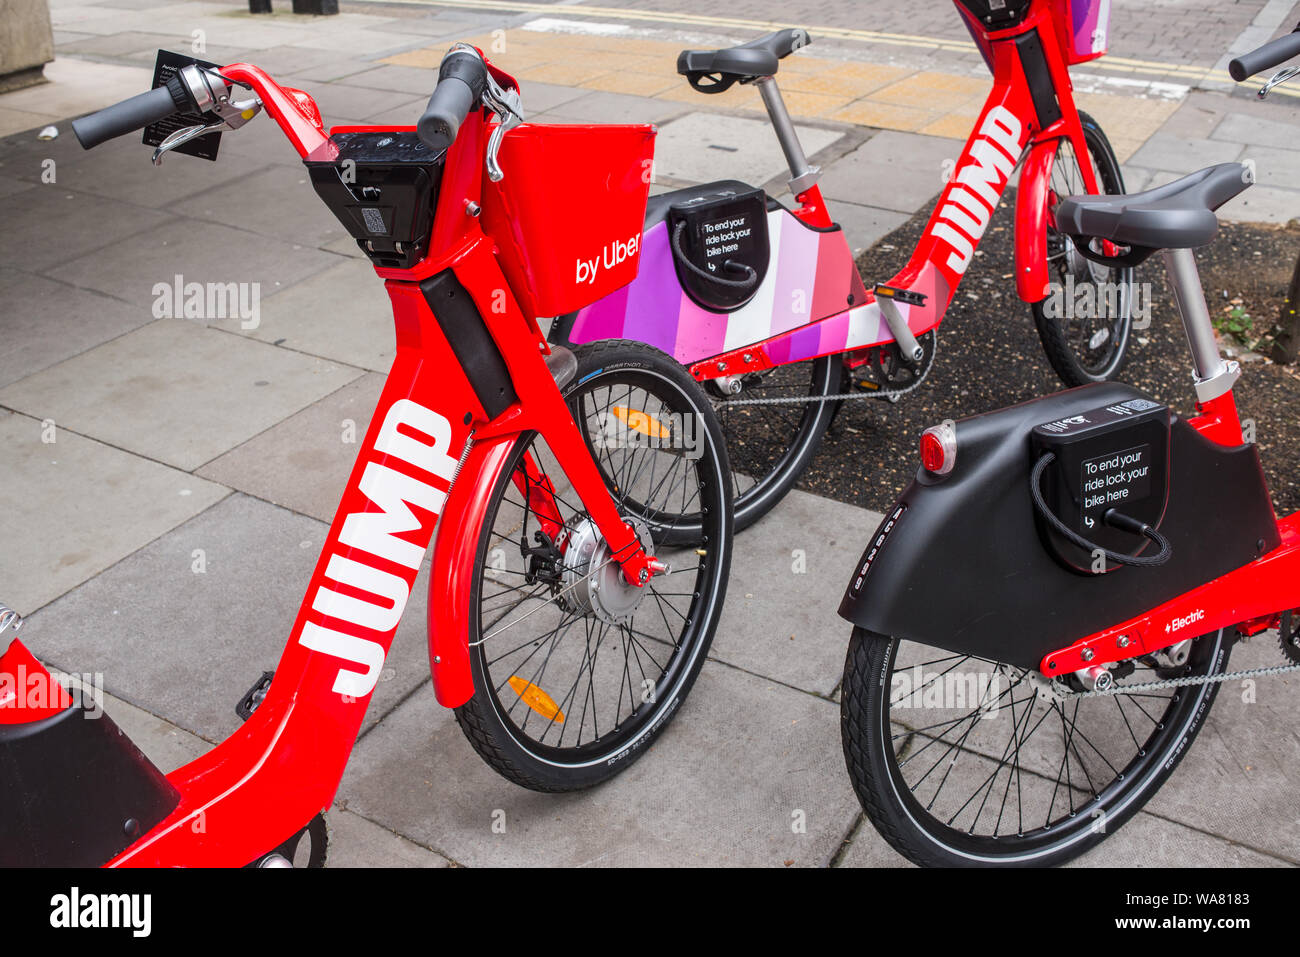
pixel 188 645
pixel 160 250
pixel 175 391
pixel 299 218
pixel 865 225
pixel 46 228
pixel 723 783
pixel 343 314
pixel 1240 129
pixel 701 147
pixel 73 507
pixel 356 842
pixel 1150 841
pixel 1181 154
pixel 44 322
pixel 892 170
pixel 788 574
pixel 304 462
pixel 1238 779
pixel 75 87
pixel 121 170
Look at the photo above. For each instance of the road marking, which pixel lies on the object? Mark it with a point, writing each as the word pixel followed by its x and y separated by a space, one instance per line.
pixel 1114 64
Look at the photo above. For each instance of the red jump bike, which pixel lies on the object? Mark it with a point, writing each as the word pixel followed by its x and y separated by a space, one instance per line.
pixel 765 305
pixel 569 613
pixel 1045 616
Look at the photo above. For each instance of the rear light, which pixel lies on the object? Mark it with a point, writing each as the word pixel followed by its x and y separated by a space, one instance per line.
pixel 939 449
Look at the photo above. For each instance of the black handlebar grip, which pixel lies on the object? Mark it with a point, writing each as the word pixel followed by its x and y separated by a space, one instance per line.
pixel 461 82
pixel 1271 54
pixel 129 115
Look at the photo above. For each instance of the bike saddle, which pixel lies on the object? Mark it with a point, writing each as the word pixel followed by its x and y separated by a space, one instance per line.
pixel 1178 215
pixel 748 61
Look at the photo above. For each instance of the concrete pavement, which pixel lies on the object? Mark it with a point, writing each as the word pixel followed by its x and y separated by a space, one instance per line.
pixel 134 444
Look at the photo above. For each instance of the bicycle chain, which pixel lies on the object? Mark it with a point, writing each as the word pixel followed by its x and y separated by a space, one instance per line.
pixel 879 394
pixel 1182 682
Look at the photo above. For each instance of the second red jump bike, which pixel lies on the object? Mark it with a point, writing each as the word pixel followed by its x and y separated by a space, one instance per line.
pixel 569 615
pixel 765 305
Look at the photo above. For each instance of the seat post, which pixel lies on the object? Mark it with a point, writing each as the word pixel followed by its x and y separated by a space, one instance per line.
pixel 1213 375
pixel 804 176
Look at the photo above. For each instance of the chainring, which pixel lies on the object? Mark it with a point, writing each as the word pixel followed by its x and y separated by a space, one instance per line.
pixel 886 372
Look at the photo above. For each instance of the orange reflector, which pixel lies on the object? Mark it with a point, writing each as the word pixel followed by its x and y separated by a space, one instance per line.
pixel 642 422
pixel 537 699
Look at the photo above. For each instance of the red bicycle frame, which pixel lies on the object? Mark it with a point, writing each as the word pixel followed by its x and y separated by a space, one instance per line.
pixel 1029 110
pixel 429 460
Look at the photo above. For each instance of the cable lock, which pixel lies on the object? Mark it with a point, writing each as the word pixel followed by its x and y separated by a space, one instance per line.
pixel 1111 517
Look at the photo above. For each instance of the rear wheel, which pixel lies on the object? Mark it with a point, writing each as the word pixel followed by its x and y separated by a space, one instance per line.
pixel 1086 323
pixel 576 671
pixel 960 761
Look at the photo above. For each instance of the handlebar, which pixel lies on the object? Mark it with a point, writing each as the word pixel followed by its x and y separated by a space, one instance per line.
pixel 131 115
pixel 1270 55
pixel 462 78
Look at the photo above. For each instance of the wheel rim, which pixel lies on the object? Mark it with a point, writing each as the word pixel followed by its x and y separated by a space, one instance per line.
pixel 1037 776
pixel 571 684
pixel 1097 335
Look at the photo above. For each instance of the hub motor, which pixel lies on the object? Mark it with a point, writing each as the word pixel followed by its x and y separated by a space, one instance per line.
pixel 592 581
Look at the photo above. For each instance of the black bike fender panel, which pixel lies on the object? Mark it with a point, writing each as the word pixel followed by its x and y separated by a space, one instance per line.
pixel 75 791
pixel 962 565
pixel 470 340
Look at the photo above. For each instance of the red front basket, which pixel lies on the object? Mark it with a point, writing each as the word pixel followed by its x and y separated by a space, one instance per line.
pixel 567 218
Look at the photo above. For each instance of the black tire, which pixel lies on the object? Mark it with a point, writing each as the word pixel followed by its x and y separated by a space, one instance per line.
pixel 771 445
pixel 512 720
pixel 983 832
pixel 1083 349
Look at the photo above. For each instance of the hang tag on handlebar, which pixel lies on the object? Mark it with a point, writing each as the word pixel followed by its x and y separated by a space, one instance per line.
pixel 204 147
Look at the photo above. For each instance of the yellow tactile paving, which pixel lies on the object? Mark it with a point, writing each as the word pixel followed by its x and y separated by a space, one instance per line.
pixel 956 125
pixel 737 98
pixel 830 83
pixel 816 105
pixel 636 84
pixel 937 88
pixel 568 73
pixel 886 116
pixel 867 94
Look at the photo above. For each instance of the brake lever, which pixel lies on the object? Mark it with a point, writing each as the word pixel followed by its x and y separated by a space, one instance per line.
pixel 230 114
pixel 1278 78
pixel 507 105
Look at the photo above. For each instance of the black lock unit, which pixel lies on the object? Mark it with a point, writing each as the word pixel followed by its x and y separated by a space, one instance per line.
pixel 720 246
pixel 382 186
pixel 1114 457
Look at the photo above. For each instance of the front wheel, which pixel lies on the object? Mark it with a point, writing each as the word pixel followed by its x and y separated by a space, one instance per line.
pixel 1086 321
pixel 576 671
pixel 960 761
